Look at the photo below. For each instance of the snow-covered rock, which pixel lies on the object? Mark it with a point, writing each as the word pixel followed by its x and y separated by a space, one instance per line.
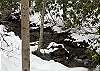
pixel 55 45
pixel 57 29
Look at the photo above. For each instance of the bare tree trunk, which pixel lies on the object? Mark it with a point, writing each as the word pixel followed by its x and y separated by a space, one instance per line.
pixel 42 25
pixel 25 35
pixel 64 11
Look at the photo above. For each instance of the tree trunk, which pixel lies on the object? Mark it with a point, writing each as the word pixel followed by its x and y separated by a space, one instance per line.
pixel 25 35
pixel 42 25
pixel 64 11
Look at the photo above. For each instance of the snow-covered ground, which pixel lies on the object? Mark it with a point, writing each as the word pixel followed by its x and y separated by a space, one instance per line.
pixel 10 56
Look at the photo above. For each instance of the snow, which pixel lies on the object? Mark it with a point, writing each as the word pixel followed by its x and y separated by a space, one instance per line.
pixel 97 68
pixel 34 28
pixel 56 47
pixel 48 50
pixel 10 51
pixel 35 18
pixel 70 8
pixel 57 29
pixel 86 37
pixel 81 37
pixel 11 59
pixel 0 13
pixel 98 51
pixel 98 16
pixel 41 65
pixel 2 29
pixel 50 18
pixel 7 64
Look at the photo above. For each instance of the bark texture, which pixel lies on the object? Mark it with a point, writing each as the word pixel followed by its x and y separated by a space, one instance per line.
pixel 25 35
pixel 42 25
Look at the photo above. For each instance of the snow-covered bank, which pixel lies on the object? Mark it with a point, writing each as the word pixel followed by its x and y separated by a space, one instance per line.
pixel 7 63
pixel 37 64
pixel 41 65
pixel 10 53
